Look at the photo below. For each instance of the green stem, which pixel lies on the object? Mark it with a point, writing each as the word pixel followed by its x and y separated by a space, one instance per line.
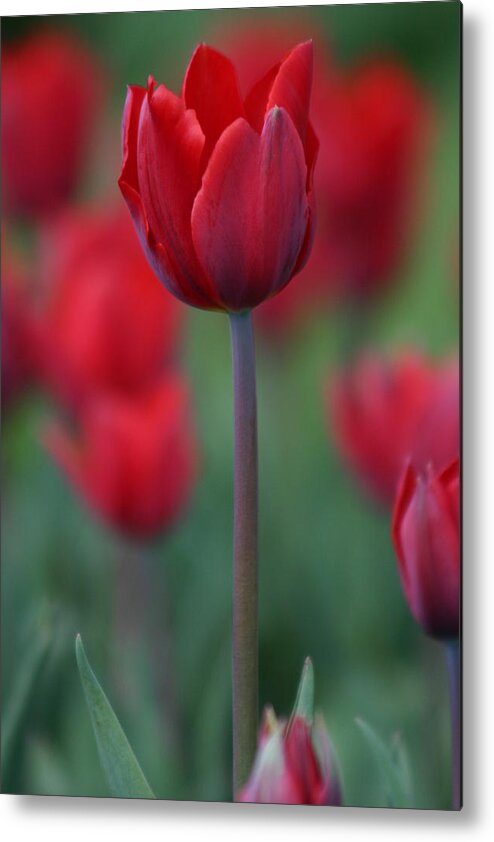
pixel 245 565
pixel 453 662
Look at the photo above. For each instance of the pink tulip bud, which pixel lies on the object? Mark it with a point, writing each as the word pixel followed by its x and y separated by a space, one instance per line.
pixel 294 764
pixel 426 539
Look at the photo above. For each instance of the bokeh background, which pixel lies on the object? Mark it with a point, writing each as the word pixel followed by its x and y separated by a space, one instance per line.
pixel 329 584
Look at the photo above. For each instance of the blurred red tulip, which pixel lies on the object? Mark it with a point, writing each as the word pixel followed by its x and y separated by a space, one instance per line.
pixel 374 125
pixel 134 459
pixel 18 331
pixel 105 324
pixel 51 90
pixel 384 412
pixel 426 539
pixel 293 765
pixel 220 188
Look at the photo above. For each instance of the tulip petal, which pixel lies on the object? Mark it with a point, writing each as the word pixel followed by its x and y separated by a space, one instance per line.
pixel 257 239
pixel 292 86
pixel 288 85
pixel 129 179
pixel 211 89
pixel 130 126
pixel 257 98
pixel 169 149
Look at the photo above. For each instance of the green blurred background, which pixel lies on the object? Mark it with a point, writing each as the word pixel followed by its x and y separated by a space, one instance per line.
pixel 329 584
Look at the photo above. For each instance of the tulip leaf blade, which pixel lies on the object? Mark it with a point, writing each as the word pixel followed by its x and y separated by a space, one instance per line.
pixel 304 701
pixel 393 766
pixel 124 776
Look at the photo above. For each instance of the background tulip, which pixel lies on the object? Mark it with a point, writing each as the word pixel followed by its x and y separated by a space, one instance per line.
pixel 384 412
pixel 51 90
pixel 133 460
pixel 426 540
pixel 105 323
pixel 370 181
pixel 220 188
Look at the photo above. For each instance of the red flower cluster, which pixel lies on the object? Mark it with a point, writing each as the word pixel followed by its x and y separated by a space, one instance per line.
pixel 385 412
pixel 220 187
pixel 293 765
pixel 426 539
pixel 50 94
pixel 107 347
pixel 106 325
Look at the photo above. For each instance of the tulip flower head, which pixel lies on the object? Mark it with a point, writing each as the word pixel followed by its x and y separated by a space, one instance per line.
pixel 369 181
pixel 293 765
pixel 50 96
pixel 426 539
pixel 134 460
pixel 220 186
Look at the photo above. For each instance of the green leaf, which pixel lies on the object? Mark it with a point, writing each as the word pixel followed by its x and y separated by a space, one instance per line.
pixel 123 773
pixel 393 766
pixel 304 702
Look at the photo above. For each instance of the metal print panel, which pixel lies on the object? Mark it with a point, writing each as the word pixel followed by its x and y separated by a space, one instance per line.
pixel 230 387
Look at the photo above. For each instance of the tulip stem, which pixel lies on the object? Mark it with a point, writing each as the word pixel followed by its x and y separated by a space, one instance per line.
pixel 453 662
pixel 245 564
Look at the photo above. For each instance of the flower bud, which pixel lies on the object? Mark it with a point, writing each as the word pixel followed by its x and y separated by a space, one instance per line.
pixel 425 534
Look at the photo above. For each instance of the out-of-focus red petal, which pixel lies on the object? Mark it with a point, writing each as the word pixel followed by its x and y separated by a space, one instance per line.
pixel 169 151
pixel 211 89
pixel 262 234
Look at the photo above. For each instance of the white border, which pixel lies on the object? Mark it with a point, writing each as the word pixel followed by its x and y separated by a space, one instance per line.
pixel 56 819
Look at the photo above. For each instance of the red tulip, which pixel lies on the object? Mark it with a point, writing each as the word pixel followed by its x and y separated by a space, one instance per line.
pixel 426 539
pixel 134 459
pixel 293 765
pixel 106 323
pixel 220 187
pixel 383 413
pixel 368 179
pixel 50 95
